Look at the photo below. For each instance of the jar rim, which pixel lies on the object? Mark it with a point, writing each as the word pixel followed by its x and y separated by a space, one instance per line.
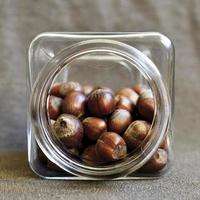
pixel 39 117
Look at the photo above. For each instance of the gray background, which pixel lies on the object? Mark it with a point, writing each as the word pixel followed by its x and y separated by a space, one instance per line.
pixel 21 20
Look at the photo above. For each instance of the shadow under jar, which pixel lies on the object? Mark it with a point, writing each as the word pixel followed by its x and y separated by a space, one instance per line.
pixel 82 90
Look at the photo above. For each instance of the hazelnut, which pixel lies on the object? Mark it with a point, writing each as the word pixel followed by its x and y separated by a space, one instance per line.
pixel 69 130
pixel 130 93
pixel 146 105
pixel 119 121
pixel 136 133
pixel 55 90
pixel 74 104
pixel 139 89
pixel 90 157
pixel 156 163
pixel 87 89
pixel 122 102
pixel 69 87
pixel 54 106
pixel 94 127
pixel 100 102
pixel 111 146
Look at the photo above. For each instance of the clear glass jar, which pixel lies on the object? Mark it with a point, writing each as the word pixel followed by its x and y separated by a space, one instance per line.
pixel 113 60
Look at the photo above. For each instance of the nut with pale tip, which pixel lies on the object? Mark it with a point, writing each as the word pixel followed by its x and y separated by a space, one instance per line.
pixel 100 102
pixel 54 106
pixel 69 130
pixel 111 147
pixel 122 102
pixel 146 105
pixel 130 93
pixel 136 133
pixel 65 88
pixel 94 127
pixel 119 121
pixel 156 163
pixel 74 104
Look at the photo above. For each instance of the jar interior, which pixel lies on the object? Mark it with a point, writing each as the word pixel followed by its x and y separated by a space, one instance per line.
pixel 103 69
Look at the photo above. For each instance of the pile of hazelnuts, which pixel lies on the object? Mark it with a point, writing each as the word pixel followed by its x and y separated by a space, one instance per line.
pixel 100 126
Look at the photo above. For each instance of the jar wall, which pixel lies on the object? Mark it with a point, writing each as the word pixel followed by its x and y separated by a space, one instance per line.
pixel 156 46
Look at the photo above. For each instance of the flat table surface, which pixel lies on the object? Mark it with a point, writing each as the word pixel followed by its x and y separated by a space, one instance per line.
pixel 21 20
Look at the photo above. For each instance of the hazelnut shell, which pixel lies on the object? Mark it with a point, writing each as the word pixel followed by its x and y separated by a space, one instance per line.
pixel 100 102
pixel 54 107
pixel 65 88
pixel 111 146
pixel 156 163
pixel 69 130
pixel 122 102
pixel 130 93
pixel 119 121
pixel 146 107
pixel 74 104
pixel 136 133
pixel 94 127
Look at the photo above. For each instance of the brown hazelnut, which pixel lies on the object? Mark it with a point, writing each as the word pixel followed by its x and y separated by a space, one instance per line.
pixel 156 163
pixel 146 105
pixel 119 121
pixel 55 90
pixel 111 146
pixel 87 89
pixel 54 106
pixel 90 156
pixel 122 102
pixel 69 130
pixel 65 88
pixel 94 127
pixel 130 93
pixel 136 133
pixel 100 102
pixel 139 89
pixel 74 104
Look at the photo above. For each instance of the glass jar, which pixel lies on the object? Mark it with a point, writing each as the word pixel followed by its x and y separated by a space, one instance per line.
pixel 114 60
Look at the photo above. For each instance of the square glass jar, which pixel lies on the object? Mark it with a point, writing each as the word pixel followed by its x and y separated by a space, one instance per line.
pixel 45 48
